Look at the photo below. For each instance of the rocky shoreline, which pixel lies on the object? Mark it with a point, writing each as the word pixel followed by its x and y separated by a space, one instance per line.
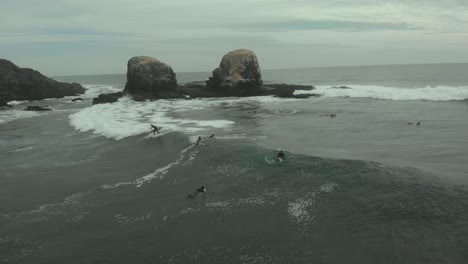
pixel 22 84
pixel 238 75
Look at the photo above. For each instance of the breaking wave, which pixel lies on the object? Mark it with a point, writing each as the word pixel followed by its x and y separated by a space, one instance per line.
pixel 438 93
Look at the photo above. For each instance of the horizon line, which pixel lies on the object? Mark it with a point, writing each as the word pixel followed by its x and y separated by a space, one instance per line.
pixel 293 68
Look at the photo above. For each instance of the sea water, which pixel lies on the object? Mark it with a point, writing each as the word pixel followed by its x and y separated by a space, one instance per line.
pixel 93 184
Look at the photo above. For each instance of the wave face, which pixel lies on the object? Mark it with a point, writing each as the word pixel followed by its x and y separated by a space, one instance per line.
pixel 438 93
pixel 314 202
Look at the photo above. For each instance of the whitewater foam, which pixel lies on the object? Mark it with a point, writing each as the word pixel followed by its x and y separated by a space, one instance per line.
pixel 127 118
pixel 438 93
pixel 95 90
pixel 10 115
pixel 157 174
pixel 13 103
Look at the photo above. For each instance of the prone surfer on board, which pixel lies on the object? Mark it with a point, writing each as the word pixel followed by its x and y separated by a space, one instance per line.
pixel 202 189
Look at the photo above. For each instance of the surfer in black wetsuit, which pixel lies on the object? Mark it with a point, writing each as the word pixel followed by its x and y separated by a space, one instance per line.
pixel 198 140
pixel 280 157
pixel 418 124
pixel 202 189
pixel 212 136
pixel 155 129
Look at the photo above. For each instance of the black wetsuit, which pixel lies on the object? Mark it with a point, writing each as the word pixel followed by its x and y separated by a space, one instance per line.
pixel 155 129
pixel 198 191
pixel 280 157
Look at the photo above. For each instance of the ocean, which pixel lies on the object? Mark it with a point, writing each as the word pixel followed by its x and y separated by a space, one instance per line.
pixel 92 184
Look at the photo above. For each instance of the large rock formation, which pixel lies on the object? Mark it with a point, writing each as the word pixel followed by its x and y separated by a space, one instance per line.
pixel 149 78
pixel 238 74
pixel 26 84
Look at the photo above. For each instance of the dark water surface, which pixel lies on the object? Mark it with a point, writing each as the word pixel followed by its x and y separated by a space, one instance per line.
pixel 91 184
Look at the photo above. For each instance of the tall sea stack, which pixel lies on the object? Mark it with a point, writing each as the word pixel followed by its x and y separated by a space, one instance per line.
pixel 149 78
pixel 238 74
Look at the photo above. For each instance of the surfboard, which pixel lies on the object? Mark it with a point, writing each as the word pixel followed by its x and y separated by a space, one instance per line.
pixel 272 162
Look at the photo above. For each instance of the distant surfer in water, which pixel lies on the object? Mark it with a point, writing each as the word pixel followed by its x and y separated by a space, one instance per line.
pixel 155 129
pixel 280 157
pixel 212 136
pixel 198 140
pixel 418 124
pixel 202 189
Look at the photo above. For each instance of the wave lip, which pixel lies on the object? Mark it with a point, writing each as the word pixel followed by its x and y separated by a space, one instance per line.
pixel 438 93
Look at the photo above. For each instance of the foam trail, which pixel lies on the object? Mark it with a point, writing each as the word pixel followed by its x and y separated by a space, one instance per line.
pixel 157 174
pixel 439 93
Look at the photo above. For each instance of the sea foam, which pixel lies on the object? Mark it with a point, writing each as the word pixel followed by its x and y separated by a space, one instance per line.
pixel 127 118
pixel 10 115
pixel 438 93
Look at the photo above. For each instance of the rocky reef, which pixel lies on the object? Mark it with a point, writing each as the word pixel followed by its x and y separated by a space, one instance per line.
pixel 238 75
pixel 27 84
pixel 37 108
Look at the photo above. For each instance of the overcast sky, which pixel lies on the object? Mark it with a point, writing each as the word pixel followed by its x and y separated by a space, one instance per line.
pixel 65 37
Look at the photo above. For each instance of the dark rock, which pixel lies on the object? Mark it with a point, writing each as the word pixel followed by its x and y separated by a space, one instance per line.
pixel 107 98
pixel 341 87
pixel 37 108
pixel 149 78
pixel 77 99
pixel 194 90
pixel 238 74
pixel 2 104
pixel 27 84
pixel 285 90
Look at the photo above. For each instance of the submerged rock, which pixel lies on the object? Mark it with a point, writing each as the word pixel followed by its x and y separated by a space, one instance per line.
pixel 341 87
pixel 37 108
pixel 238 74
pixel 150 78
pixel 26 84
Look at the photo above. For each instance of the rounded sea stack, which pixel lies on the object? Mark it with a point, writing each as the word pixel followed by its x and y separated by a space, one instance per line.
pixel 149 78
pixel 238 74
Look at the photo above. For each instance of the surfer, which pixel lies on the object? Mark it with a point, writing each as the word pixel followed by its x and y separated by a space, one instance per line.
pixel 198 140
pixel 202 189
pixel 418 124
pixel 333 115
pixel 212 136
pixel 280 157
pixel 155 129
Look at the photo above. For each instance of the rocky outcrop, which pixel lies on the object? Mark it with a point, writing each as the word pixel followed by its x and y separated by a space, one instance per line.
pixel 195 90
pixel 238 74
pixel 26 84
pixel 150 78
pixel 107 98
pixel 37 108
